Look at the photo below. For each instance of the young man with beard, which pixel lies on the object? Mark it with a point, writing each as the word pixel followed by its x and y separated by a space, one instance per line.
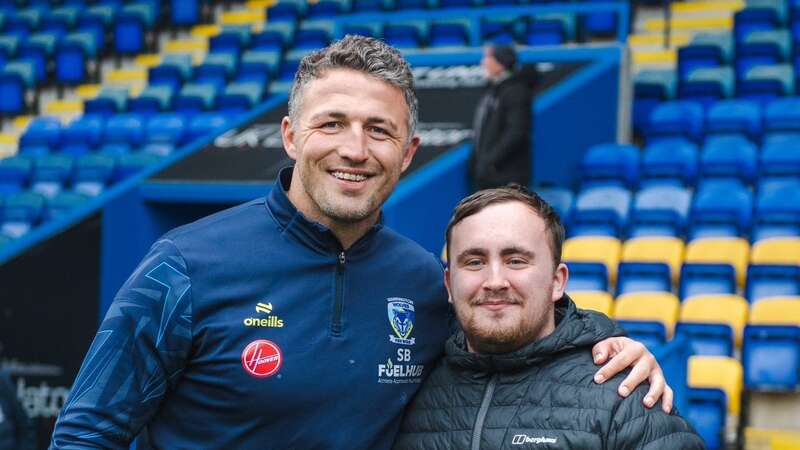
pixel 519 374
pixel 296 321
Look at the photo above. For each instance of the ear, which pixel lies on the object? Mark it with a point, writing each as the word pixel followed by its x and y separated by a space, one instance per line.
pixel 560 278
pixel 411 150
pixel 287 134
pixel 447 285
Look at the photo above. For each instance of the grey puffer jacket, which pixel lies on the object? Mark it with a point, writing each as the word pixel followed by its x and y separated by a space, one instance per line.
pixel 539 397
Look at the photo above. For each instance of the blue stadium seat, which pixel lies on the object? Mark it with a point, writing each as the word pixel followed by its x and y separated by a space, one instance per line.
pixel 448 35
pixel 15 171
pixel 768 280
pixel 165 75
pixel 196 97
pixel 42 136
pixel 271 40
pixel 23 211
pixel 82 135
pixel 765 47
pixel 184 13
pixel 362 6
pixel 12 95
pixel 706 279
pixel 109 101
pixel 707 410
pixel 311 39
pixel 240 96
pixel 325 9
pixel 70 64
pixel 598 24
pixel 123 132
pixel 720 208
pixel 782 114
pixel 669 162
pixel 285 12
pixel 154 98
pixel 62 203
pixel 129 34
pixel 765 83
pixel 588 276
pixel 735 117
pixel 600 211
pixel 206 123
pixel 771 357
pixel 411 4
pixel 780 157
pixel 498 30
pixel 754 19
pixel 559 198
pixel 650 333
pixel 707 85
pixel 92 174
pixel 660 211
pixel 777 211
pixel 611 164
pixel 548 30
pixel 674 119
pixel 402 36
pixel 643 277
pixel 729 157
pixel 51 174
pixel 164 133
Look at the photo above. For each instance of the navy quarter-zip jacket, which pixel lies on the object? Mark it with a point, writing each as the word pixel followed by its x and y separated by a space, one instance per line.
pixel 253 329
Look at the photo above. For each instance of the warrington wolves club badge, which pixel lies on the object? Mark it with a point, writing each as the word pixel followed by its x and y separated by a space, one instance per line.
pixel 401 318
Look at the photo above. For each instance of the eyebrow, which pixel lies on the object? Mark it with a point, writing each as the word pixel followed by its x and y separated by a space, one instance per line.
pixel 513 250
pixel 517 251
pixel 339 115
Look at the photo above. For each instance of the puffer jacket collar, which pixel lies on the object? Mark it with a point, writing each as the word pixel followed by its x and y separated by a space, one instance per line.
pixel 575 328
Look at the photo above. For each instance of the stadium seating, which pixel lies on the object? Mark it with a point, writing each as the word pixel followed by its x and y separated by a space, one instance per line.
pixel 648 316
pixel 713 380
pixel 594 300
pixel 713 324
pixel 732 251
pixel 600 249
pixel 765 281
pixel 771 351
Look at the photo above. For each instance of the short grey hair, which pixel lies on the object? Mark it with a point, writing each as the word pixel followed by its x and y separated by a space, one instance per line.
pixel 365 54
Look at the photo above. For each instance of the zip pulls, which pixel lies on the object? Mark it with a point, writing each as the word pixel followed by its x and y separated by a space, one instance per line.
pixel 336 317
pixel 481 417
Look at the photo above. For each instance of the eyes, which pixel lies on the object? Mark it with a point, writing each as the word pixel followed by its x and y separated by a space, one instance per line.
pixel 374 131
pixel 479 262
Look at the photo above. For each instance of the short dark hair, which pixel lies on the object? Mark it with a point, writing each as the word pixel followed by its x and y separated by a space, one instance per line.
pixel 478 201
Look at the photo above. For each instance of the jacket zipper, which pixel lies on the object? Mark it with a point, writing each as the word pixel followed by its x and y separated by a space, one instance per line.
pixel 336 320
pixel 487 400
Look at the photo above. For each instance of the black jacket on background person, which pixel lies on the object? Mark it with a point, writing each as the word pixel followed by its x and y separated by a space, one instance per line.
pixel 501 141
pixel 541 396
pixel 17 432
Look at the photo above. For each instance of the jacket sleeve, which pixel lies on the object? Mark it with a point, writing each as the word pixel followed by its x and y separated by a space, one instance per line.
pixel 635 427
pixel 515 134
pixel 138 354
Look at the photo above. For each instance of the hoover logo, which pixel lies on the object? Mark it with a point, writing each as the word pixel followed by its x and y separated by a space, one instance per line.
pixel 268 322
pixel 521 439
pixel 401 319
pixel 262 358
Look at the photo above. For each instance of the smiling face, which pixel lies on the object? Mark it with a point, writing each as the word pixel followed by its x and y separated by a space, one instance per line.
pixel 501 278
pixel 350 144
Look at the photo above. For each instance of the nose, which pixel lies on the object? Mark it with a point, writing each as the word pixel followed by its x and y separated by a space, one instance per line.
pixel 496 278
pixel 354 147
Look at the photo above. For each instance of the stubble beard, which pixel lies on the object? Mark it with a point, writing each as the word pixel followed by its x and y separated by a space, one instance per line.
pixel 497 338
pixel 335 209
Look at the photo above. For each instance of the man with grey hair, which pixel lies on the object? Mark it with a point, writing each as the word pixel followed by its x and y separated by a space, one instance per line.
pixel 265 325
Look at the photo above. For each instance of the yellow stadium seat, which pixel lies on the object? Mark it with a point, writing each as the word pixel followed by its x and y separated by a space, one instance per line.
pixel 733 251
pixel 246 17
pixel 594 300
pixel 651 306
pixel 186 46
pixel 776 251
pixel 720 372
pixel 776 311
pixel 731 310
pixel 205 31
pixel 148 60
pixel 87 91
pixel 600 249
pixel 668 250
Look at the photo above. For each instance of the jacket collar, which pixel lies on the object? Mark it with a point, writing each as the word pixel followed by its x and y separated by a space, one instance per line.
pixel 575 328
pixel 312 234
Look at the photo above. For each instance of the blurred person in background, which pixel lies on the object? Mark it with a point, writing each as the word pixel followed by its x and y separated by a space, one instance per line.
pixel 501 140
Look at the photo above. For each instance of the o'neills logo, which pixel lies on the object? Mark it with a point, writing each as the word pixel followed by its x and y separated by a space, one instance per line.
pixel 262 358
pixel 271 321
